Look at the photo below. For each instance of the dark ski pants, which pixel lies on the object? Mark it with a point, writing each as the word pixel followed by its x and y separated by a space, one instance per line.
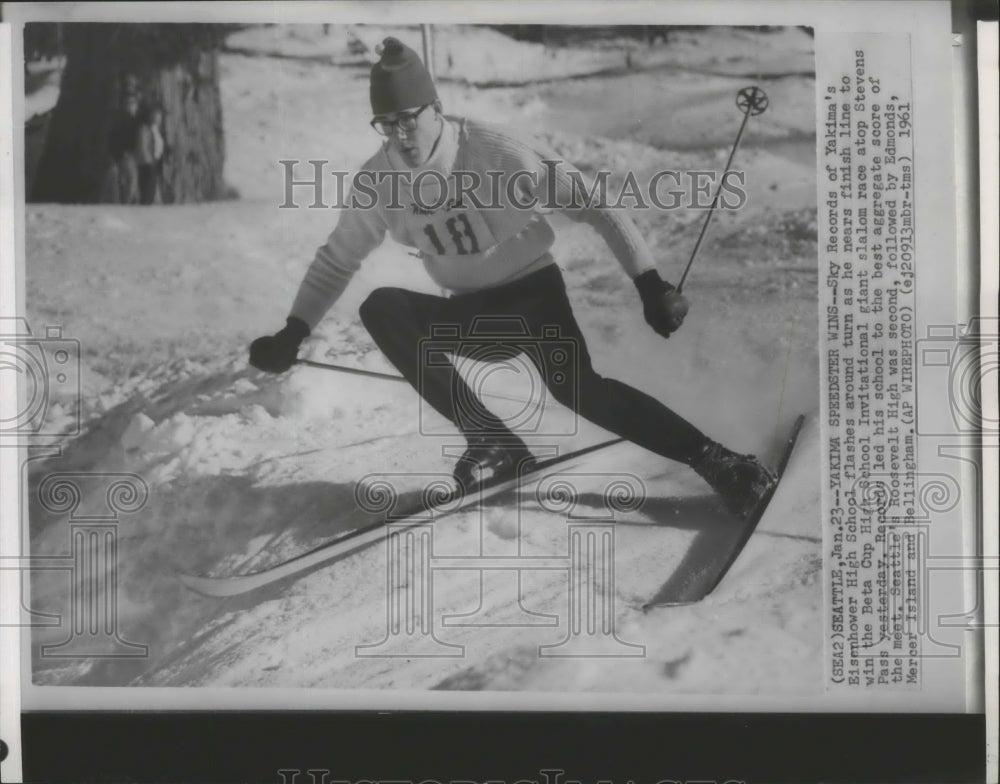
pixel 419 332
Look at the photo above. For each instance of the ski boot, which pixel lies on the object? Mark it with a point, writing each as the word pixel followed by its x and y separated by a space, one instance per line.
pixel 491 457
pixel 741 481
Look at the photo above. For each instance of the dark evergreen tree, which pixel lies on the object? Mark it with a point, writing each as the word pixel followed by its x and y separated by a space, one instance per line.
pixel 111 71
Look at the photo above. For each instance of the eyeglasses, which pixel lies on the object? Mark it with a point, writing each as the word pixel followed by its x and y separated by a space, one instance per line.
pixel 407 122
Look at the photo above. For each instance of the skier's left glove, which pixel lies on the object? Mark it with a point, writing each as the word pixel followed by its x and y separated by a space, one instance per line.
pixel 663 306
pixel 277 353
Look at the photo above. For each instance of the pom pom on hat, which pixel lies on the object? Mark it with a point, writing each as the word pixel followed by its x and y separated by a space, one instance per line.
pixel 399 80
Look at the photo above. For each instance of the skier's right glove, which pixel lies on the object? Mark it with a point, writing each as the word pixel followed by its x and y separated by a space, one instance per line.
pixel 663 306
pixel 277 353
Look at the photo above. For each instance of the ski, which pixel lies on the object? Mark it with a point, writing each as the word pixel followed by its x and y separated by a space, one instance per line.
pixel 361 538
pixel 700 580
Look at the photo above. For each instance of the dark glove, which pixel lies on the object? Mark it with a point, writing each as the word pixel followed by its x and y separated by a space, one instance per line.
pixel 663 306
pixel 277 353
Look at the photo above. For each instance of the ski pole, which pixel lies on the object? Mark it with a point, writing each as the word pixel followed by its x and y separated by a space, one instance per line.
pixel 751 101
pixel 352 371
pixel 392 377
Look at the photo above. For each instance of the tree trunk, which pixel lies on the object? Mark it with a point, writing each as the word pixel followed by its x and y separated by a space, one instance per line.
pixel 192 118
pixel 112 71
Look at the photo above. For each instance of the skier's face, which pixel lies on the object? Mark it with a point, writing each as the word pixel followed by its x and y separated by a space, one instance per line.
pixel 412 132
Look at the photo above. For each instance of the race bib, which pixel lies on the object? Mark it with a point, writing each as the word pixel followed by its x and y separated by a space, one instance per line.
pixel 453 232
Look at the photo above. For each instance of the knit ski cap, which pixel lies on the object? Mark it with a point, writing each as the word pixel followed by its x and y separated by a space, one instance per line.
pixel 399 80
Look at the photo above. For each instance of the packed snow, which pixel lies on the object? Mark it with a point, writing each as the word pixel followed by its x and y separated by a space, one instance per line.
pixel 246 469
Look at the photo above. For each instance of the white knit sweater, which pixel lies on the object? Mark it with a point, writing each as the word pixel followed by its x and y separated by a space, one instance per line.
pixel 464 248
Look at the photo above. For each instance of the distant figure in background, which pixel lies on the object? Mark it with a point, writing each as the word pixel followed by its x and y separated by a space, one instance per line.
pixel 121 184
pixel 149 149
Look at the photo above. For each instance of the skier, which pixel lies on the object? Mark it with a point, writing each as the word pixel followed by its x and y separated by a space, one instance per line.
pixel 496 264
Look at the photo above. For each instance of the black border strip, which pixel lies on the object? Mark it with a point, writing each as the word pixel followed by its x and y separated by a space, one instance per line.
pixel 641 748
